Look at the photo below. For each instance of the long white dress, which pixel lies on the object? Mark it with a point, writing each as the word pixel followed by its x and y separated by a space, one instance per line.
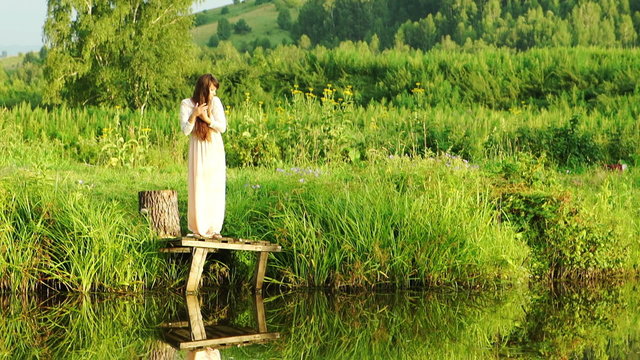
pixel 207 171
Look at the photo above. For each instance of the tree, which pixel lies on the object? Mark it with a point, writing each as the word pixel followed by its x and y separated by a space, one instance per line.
pixel 351 19
pixel 214 40
pixel 562 36
pixel 535 29
pixel 284 19
pixel 312 22
pixel 115 52
pixel 490 14
pixel 421 34
pixel 224 11
pixel 587 24
pixel 241 27
pixel 224 29
pixel 262 42
pixel 626 33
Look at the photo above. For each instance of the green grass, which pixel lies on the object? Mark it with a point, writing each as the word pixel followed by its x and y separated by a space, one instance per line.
pixel 79 225
pixel 388 208
pixel 262 19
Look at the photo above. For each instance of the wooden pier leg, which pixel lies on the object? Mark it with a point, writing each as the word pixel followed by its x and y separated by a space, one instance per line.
pixel 197 264
pixel 195 318
pixel 261 319
pixel 261 267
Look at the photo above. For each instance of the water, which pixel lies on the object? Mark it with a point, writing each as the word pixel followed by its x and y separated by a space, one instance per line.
pixel 563 323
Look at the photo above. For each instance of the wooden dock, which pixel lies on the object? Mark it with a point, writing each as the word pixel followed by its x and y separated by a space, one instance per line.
pixel 199 247
pixel 196 333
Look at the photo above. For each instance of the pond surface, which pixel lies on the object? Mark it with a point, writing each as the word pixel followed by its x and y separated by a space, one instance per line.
pixel 563 323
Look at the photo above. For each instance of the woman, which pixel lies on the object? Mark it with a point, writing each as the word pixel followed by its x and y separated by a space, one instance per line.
pixel 202 117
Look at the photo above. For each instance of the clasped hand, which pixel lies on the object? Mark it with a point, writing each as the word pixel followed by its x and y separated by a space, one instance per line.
pixel 201 110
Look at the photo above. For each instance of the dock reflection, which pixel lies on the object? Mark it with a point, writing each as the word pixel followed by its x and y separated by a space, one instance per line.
pixel 202 337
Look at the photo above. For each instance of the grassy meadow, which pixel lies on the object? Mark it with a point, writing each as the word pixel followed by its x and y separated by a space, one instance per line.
pixel 395 168
pixel 261 18
pixel 359 195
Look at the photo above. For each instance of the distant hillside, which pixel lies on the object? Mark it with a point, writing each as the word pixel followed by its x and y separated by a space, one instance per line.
pixel 261 16
pixel 11 63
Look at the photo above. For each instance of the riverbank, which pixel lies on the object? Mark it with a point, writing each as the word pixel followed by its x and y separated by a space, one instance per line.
pixel 374 196
pixel 396 222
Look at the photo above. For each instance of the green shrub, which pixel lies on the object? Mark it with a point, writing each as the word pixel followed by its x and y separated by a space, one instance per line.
pixel 567 240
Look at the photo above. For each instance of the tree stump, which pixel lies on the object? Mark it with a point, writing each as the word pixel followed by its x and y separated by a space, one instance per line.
pixel 161 208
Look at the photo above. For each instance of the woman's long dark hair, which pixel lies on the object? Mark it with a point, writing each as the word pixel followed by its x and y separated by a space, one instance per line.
pixel 201 96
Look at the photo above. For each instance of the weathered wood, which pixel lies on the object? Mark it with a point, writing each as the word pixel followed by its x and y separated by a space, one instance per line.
pixel 218 336
pixel 261 267
pixel 195 318
pixel 261 317
pixel 173 339
pixel 183 334
pixel 176 250
pixel 197 265
pixel 233 331
pixel 174 324
pixel 229 340
pixel 225 245
pixel 161 208
pixel 193 242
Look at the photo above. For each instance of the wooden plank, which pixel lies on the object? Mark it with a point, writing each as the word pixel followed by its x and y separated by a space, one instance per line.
pixel 233 331
pixel 175 324
pixel 214 332
pixel 182 250
pixel 226 246
pixel 261 267
pixel 174 339
pixel 183 333
pixel 185 324
pixel 197 265
pixel 229 340
pixel 222 239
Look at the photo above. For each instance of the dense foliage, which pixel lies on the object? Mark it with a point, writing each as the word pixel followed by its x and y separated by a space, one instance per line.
pixel 124 53
pixel 423 24
pixel 496 78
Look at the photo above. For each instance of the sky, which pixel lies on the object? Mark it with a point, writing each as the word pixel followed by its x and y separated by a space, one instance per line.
pixel 21 23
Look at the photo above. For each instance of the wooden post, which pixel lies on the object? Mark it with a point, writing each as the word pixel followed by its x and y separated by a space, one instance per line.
pixel 261 318
pixel 197 264
pixel 195 318
pixel 261 267
pixel 161 207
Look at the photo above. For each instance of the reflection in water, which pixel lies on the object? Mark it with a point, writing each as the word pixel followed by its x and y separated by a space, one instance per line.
pixel 399 325
pixel 203 339
pixel 558 323
pixel 579 322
